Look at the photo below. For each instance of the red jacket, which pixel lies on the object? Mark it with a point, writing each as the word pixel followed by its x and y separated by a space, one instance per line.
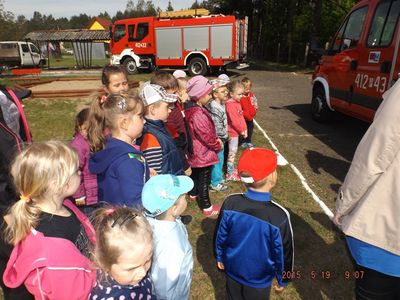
pixel 236 121
pixel 205 140
pixel 249 109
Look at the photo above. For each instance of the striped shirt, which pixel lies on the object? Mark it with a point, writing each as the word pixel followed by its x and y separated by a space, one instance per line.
pixel 152 151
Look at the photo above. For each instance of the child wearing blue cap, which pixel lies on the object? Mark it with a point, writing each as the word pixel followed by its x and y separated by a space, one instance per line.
pixel 164 200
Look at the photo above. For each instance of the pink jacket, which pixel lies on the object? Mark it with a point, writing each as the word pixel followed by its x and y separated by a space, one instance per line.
pixel 205 139
pixel 236 121
pixel 52 268
pixel 88 186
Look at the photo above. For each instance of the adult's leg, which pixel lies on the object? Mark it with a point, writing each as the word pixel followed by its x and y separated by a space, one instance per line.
pixel 373 285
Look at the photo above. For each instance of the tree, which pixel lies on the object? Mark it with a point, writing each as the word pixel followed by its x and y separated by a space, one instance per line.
pixel 169 7
pixel 195 5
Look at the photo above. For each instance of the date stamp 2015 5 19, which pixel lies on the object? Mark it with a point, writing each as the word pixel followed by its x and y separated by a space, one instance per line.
pixel 322 274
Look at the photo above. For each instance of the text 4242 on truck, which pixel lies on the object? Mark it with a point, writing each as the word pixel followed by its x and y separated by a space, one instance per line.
pixel 196 43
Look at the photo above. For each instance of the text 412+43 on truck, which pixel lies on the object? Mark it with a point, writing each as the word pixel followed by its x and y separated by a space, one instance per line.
pixel 361 63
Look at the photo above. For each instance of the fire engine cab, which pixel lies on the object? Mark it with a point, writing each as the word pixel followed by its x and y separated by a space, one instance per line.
pixel 361 63
pixel 199 43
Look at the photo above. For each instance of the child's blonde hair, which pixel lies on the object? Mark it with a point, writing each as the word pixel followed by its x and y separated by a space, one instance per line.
pixel 114 224
pixel 39 171
pixel 105 113
pixel 234 85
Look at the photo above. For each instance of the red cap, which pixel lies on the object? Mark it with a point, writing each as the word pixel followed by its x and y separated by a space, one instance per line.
pixel 258 163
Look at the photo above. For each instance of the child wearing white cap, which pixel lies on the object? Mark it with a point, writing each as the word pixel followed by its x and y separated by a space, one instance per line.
pixel 164 200
pixel 156 143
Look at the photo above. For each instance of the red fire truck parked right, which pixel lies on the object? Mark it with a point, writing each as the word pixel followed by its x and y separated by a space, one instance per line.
pixel 361 63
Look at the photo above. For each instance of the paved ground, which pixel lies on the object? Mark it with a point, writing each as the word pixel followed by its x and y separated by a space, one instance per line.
pixel 322 152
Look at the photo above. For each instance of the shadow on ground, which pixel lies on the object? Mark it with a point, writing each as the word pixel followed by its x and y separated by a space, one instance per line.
pixel 342 134
pixel 319 265
pixel 205 257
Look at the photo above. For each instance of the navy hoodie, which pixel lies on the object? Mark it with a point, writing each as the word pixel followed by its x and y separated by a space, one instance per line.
pixel 121 173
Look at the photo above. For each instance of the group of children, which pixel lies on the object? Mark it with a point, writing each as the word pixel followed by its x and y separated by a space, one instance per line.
pixel 137 157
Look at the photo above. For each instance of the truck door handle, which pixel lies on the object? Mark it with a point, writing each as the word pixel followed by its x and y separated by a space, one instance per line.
pixel 385 66
pixel 353 64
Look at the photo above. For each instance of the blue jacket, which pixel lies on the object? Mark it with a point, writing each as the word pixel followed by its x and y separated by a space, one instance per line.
pixel 121 173
pixel 171 159
pixel 254 240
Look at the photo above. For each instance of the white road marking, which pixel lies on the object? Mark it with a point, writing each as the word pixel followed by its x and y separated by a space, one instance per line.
pixel 282 162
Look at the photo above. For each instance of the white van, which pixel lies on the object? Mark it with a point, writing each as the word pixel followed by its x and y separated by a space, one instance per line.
pixel 20 54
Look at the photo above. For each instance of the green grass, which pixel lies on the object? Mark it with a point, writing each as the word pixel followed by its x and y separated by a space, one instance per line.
pixel 319 249
pixel 68 61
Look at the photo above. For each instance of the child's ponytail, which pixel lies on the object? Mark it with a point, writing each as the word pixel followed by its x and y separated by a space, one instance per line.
pixel 21 217
pixel 96 124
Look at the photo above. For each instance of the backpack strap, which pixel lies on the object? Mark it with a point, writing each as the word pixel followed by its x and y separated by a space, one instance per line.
pixel 22 114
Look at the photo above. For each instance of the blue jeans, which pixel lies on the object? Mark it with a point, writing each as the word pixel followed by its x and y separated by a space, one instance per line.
pixel 216 172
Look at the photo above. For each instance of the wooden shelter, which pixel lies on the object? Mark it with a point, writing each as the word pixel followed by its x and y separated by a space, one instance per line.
pixel 81 39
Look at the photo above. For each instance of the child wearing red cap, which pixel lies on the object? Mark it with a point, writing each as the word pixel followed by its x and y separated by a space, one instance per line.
pixel 254 238
pixel 206 143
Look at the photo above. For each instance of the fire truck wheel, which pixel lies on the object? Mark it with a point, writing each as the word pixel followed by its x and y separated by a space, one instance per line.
pixel 319 108
pixel 197 66
pixel 130 66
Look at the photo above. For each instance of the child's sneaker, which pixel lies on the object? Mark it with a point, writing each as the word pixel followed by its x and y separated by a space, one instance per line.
pixel 212 212
pixel 218 188
pixel 232 177
pixel 244 145
pixel 250 145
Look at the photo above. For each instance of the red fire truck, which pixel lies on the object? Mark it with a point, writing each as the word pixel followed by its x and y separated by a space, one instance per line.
pixel 198 43
pixel 361 63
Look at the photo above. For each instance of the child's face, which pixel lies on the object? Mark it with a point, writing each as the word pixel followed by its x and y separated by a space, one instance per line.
pixel 180 205
pixel 237 94
pixel 118 83
pixel 134 261
pixel 183 95
pixel 247 88
pixel 221 94
pixel 205 99
pixel 161 111
pixel 83 129
pixel 73 183
pixel 135 125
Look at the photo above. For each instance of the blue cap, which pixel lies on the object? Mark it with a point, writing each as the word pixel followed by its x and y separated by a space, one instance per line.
pixel 160 192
